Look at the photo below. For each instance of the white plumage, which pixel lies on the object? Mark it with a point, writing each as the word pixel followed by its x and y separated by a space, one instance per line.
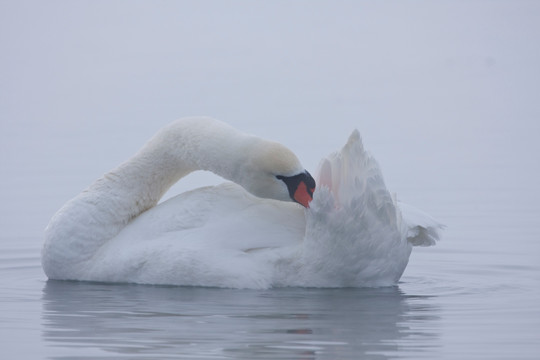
pixel 353 234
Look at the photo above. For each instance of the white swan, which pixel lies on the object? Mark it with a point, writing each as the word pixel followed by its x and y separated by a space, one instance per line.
pixel 352 234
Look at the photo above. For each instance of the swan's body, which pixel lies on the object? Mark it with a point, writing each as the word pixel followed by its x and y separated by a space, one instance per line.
pixel 353 234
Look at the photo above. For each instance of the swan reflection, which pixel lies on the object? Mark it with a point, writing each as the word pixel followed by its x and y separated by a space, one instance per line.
pixel 103 320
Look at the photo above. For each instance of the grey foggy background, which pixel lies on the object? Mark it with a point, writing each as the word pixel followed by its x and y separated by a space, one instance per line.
pixel 445 94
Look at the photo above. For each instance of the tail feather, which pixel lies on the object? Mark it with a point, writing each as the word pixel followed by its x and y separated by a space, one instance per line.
pixel 354 177
pixel 419 228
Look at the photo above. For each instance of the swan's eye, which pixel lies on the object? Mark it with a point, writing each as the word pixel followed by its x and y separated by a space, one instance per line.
pixel 301 187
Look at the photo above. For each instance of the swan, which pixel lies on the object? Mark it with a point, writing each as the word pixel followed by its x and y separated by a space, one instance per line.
pixel 266 227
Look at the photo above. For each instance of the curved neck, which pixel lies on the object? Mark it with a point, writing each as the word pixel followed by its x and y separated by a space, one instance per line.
pixel 174 152
pixel 84 224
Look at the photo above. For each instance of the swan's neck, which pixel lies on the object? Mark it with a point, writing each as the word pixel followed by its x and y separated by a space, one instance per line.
pixel 174 152
pixel 99 213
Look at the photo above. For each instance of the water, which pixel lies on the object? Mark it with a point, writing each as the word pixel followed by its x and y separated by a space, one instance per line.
pixel 444 93
pixel 464 298
pixel 289 323
pixel 475 295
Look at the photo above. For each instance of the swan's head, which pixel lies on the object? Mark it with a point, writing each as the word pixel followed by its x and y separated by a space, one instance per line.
pixel 276 173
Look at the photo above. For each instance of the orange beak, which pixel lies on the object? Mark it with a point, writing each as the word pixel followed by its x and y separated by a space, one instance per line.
pixel 303 195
